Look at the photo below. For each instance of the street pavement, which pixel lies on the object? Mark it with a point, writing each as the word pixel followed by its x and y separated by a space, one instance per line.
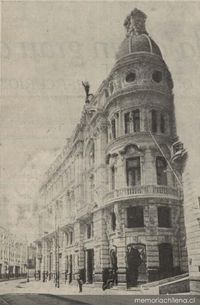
pixel 19 292
pixel 22 286
pixel 36 299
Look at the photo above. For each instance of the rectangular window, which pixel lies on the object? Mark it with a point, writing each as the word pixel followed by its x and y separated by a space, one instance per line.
pixel 133 174
pixel 113 128
pixel 161 170
pixel 113 177
pixel 135 217
pixel 89 231
pixel 136 120
pixel 127 122
pixel 70 237
pixel 154 121
pixel 164 217
pixel 162 123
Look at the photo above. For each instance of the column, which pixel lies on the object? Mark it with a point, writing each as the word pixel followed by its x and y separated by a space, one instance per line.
pixel 149 168
pixel 121 260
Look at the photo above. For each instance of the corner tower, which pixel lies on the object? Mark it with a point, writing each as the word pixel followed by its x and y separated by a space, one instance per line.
pixel 111 203
pixel 144 201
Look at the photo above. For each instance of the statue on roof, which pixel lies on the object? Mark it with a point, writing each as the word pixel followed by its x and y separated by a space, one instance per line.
pixel 135 23
pixel 86 86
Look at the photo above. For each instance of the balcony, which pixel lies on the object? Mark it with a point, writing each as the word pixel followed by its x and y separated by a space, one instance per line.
pixel 143 191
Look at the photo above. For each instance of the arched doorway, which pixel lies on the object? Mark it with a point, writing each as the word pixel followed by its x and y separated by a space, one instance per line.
pixel 136 264
pixel 166 260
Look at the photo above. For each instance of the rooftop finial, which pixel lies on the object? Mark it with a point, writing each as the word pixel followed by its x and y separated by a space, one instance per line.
pixel 135 23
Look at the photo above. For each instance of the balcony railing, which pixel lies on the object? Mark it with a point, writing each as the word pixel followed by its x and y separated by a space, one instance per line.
pixel 141 191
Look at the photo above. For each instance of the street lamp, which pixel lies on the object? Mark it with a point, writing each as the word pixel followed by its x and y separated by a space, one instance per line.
pixel 44 262
pixel 57 256
pixel 27 264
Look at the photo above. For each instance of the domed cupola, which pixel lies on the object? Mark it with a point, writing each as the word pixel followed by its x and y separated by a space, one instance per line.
pixel 137 39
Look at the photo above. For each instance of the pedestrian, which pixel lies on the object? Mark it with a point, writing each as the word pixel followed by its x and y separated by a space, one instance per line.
pixel 80 283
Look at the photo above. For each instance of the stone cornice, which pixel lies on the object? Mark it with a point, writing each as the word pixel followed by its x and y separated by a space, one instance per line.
pixel 134 90
pixel 144 57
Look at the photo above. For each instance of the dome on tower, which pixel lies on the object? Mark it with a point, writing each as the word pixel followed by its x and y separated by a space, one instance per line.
pixel 137 39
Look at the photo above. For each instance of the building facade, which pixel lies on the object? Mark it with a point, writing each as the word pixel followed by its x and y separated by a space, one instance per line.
pixel 13 255
pixel 192 220
pixel 112 191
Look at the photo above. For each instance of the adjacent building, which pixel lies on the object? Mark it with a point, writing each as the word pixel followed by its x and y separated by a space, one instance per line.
pixel 113 190
pixel 13 255
pixel 192 220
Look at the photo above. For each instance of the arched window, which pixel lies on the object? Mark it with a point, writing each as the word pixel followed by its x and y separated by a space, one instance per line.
pixel 132 121
pixel 91 188
pixel 90 153
pixel 70 237
pixel 113 221
pixel 114 125
pixel 113 128
pixel 106 93
pixel 113 171
pixel 161 170
pixel 111 86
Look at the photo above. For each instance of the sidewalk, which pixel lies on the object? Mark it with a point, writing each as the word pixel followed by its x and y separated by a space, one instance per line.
pixel 72 289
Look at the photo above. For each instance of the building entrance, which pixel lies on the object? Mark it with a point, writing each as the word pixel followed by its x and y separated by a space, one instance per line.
pixel 89 265
pixel 17 270
pixel 165 260
pixel 136 264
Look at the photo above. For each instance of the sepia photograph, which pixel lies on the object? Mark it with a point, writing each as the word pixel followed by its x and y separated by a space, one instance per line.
pixel 99 152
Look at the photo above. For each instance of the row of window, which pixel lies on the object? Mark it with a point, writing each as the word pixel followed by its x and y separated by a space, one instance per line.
pixel 132 122
pixel 133 172
pixel 132 77
pixel 89 234
pixel 135 217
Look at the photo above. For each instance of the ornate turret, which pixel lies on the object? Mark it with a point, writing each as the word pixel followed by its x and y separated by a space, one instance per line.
pixel 137 39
